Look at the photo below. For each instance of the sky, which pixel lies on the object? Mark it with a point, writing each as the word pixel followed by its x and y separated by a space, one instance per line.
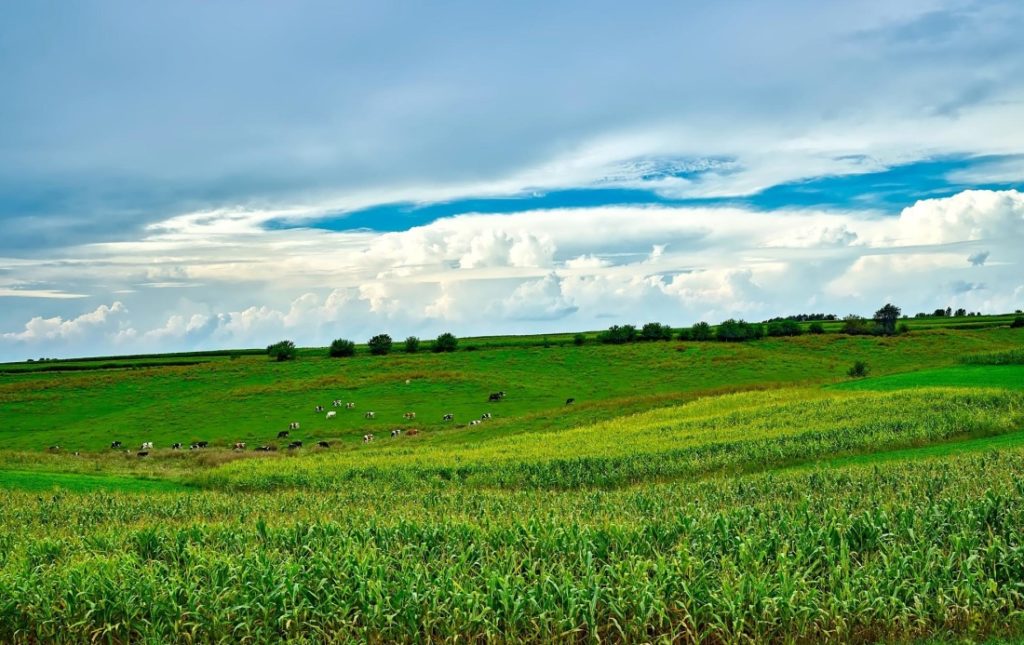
pixel 201 175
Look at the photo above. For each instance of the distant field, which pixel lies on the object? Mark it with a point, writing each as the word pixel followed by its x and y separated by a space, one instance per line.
pixel 694 492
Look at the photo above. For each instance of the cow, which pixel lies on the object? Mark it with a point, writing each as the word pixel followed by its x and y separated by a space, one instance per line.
pixel 395 433
pixel 202 444
pixel 485 416
pixel 570 401
pixel 294 425
pixel 332 414
pixel 494 396
pixel 142 453
pixel 282 435
pixel 409 415
pixel 350 406
pixel 54 448
pixel 263 448
pixel 239 445
pixel 412 432
pixel 475 422
pixel 295 444
pixel 318 408
pixel 367 438
pixel 448 417
pixel 146 445
pixel 322 444
pixel 115 444
pixel 370 415
pixel 176 446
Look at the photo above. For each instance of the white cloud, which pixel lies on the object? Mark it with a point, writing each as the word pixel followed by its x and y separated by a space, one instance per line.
pixel 102 320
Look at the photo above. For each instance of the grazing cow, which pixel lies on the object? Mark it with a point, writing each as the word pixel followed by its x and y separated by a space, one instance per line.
pixel 367 438
pixel 239 445
pixel 294 425
pixel 495 396
pixel 143 453
pixel 570 401
pixel 262 449
pixel 282 435
pixel 77 453
pixel 202 444
pixel 115 444
pixel 176 446
pixel 370 415
pixel 332 414
pixel 412 432
pixel 322 444
pixel 350 406
pixel 294 444
pixel 485 415
pixel 395 433
pixel 448 417
pixel 146 445
pixel 475 422
pixel 54 448
pixel 409 415
pixel 318 408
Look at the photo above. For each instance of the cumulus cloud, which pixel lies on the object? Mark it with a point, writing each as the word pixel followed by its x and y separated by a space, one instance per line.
pixel 101 321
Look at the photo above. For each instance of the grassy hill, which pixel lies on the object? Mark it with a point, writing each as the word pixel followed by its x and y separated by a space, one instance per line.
pixel 695 492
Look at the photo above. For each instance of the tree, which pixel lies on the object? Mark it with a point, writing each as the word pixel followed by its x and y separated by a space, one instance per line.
pixel 618 334
pixel 446 342
pixel 738 330
pixel 341 347
pixel 656 331
pixel 949 312
pixel 412 345
pixel 701 331
pixel 886 318
pixel 1017 323
pixel 282 351
pixel 859 370
pixel 784 328
pixel 939 313
pixel 380 344
pixel 816 328
pixel 960 312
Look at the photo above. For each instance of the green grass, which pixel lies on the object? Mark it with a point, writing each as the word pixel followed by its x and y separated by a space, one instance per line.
pixel 696 492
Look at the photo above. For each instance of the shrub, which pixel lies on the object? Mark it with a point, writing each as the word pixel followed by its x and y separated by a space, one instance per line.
pixel 816 328
pixel 701 331
pixel 859 370
pixel 685 334
pixel 282 351
pixel 380 344
pixel 903 328
pixel 784 328
pixel 618 334
pixel 446 342
pixel 1017 323
pixel 412 345
pixel 341 347
pixel 656 331
pixel 738 330
pixel 856 326
pixel 579 339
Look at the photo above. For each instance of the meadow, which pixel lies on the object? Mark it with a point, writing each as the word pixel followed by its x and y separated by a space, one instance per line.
pixel 694 492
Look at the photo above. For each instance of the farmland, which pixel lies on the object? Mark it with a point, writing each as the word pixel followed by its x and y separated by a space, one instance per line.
pixel 695 492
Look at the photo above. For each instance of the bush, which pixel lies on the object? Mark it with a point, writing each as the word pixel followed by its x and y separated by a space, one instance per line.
pixel 701 331
pixel 656 331
pixel 341 347
pixel 738 330
pixel 579 339
pixel 618 334
pixel 859 370
pixel 282 351
pixel 784 328
pixel 685 334
pixel 903 328
pixel 412 345
pixel 1017 323
pixel 816 328
pixel 856 326
pixel 446 342
pixel 380 344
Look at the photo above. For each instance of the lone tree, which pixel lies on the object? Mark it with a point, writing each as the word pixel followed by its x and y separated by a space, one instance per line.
pixel 380 344
pixel 341 347
pixel 886 318
pixel 282 351
pixel 412 345
pixel 446 342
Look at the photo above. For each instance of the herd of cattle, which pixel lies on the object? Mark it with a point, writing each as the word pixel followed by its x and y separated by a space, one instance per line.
pixel 145 448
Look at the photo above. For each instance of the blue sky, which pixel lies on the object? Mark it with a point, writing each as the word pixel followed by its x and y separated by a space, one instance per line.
pixel 200 175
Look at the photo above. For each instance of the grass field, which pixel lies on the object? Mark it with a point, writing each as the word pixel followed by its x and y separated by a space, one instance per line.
pixel 695 492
